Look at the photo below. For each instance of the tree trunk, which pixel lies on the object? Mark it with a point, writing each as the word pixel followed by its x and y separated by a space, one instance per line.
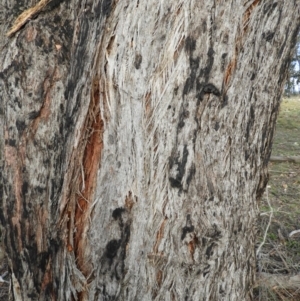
pixel 135 141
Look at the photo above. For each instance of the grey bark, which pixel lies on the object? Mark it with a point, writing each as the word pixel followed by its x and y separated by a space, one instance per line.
pixel 135 141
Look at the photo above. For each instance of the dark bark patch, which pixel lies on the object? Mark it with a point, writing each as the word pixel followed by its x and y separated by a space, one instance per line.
pixel 115 251
pixel 281 48
pixel 209 251
pixel 246 155
pixel 205 72
pixel 52 5
pixel 181 165
pixel 175 90
pixel 204 26
pixel 56 19
pixel 206 270
pixel 39 189
pixel 194 65
pixel 217 126
pixel 175 183
pixel 68 122
pixel 33 115
pixel 269 8
pixel 191 174
pixel 188 228
pixel 250 122
pixel 240 227
pixel 214 233
pixel 54 246
pixel 189 83
pixel 117 213
pixel 25 213
pixel 223 61
pixel 55 190
pixel 11 142
pixel 17 67
pixel 225 101
pixel 16 260
pixel 137 61
pixel 252 114
pixel 112 248
pixel 268 36
pixel 25 187
pixel 43 44
pixel 211 88
pixel 221 291
pixel 97 8
pixel 32 295
pixel 264 137
pixel 106 7
pixel 43 259
pixel 105 296
pixel 188 86
pixel 183 115
pixel 17 101
pixel 186 298
pixel 190 45
pixel 203 88
pixel 199 89
pixel 49 289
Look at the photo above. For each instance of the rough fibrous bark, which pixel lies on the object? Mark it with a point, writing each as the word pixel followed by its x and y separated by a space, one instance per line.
pixel 135 141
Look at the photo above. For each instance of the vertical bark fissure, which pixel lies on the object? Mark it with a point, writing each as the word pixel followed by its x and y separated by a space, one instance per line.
pixel 82 179
pixel 88 166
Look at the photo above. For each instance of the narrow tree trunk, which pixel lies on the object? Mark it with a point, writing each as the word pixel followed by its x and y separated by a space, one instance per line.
pixel 135 140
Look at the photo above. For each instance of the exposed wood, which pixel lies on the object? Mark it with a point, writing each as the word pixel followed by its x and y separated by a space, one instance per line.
pixel 295 232
pixel 27 15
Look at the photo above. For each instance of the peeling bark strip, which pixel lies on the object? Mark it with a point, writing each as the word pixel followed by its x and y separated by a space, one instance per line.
pixel 248 12
pixel 93 140
pixel 134 145
pixel 240 38
pixel 26 16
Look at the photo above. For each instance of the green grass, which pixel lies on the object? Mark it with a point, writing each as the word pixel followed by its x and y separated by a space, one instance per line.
pixel 287 134
pixel 284 196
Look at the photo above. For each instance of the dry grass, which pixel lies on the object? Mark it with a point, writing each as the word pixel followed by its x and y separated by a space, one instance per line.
pixel 281 253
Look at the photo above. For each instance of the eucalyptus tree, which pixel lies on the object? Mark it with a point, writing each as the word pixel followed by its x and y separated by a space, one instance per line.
pixel 135 137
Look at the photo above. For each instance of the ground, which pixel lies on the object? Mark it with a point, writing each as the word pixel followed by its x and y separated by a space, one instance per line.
pixel 281 254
